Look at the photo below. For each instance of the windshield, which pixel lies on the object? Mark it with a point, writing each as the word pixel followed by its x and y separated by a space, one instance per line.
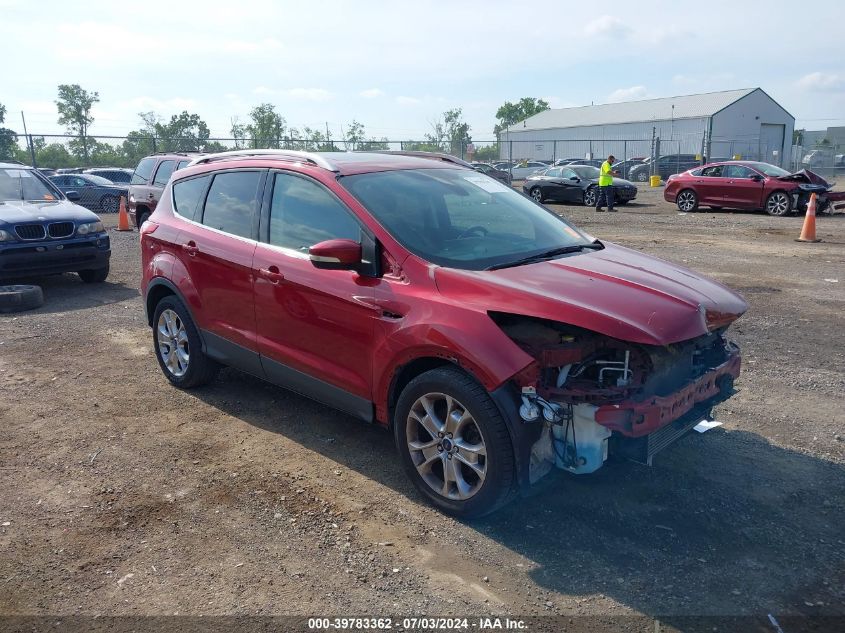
pixel 586 172
pixel 98 180
pixel 459 218
pixel 24 184
pixel 769 170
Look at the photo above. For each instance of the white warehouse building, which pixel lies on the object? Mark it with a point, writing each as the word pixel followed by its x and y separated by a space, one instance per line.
pixel 745 123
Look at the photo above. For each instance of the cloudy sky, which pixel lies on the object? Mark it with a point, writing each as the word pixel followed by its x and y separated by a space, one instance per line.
pixel 395 66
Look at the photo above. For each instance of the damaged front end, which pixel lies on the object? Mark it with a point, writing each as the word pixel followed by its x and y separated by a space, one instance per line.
pixel 811 183
pixel 598 396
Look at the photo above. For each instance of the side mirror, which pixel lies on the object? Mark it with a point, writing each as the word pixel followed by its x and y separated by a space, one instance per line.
pixel 336 255
pixel 757 178
pixel 72 195
pixel 575 178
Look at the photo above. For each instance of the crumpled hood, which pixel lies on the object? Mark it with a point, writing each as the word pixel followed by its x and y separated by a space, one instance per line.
pixel 615 291
pixel 808 177
pixel 18 211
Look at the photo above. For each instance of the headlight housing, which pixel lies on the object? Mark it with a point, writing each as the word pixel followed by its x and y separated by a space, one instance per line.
pixel 5 236
pixel 90 227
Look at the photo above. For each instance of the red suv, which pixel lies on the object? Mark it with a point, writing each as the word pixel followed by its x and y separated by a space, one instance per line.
pixel 494 338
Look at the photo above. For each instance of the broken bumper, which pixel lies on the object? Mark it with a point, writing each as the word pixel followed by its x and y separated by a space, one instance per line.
pixel 638 419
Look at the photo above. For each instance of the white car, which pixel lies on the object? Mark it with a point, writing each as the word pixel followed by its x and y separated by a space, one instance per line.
pixel 522 170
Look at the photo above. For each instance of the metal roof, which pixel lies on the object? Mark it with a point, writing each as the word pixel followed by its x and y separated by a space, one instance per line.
pixel 685 107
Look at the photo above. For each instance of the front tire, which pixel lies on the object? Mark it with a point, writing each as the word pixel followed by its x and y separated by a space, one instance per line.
pixel 537 195
pixel 454 444
pixel 178 347
pixel 96 276
pixel 778 204
pixel 687 201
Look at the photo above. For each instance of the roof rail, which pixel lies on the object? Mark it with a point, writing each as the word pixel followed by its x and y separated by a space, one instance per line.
pixel 282 154
pixel 448 158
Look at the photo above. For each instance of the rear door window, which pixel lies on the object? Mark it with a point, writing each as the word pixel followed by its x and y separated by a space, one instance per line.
pixel 231 203
pixel 164 171
pixel 712 172
pixel 187 195
pixel 143 171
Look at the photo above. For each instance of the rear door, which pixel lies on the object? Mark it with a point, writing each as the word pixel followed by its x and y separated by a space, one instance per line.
pixel 711 186
pixel 315 327
pixel 741 191
pixel 217 252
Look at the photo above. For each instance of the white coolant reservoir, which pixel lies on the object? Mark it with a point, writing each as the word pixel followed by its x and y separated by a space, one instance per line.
pixel 581 445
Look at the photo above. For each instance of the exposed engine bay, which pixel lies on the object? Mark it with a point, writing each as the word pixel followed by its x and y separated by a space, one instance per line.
pixel 597 394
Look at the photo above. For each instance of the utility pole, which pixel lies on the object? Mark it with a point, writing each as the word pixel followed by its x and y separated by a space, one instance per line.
pixel 328 137
pixel 29 142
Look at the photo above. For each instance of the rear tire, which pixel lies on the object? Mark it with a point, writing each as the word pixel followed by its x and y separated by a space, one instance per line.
pixel 687 201
pixel 20 297
pixel 454 444
pixel 641 176
pixel 96 276
pixel 537 195
pixel 178 347
pixel 590 197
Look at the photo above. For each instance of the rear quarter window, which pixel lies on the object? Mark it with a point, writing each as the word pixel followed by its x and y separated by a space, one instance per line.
pixel 187 195
pixel 164 171
pixel 143 171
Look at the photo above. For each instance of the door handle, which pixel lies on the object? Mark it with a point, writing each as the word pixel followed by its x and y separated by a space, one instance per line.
pixel 271 274
pixel 150 196
pixel 190 248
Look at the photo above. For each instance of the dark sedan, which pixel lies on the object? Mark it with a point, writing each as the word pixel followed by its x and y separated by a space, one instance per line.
pixel 574 183
pixel 95 192
pixel 117 175
pixel 498 174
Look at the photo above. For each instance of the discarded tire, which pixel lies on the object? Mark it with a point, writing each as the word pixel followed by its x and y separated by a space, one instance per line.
pixel 19 298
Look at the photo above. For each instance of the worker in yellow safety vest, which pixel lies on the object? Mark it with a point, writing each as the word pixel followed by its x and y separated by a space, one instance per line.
pixel 606 184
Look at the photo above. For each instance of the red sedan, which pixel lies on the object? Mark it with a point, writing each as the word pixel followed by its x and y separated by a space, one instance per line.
pixel 746 185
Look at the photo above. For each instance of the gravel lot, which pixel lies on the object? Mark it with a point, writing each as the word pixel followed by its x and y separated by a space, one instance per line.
pixel 124 496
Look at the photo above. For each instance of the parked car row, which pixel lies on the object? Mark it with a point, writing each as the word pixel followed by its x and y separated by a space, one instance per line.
pixel 95 192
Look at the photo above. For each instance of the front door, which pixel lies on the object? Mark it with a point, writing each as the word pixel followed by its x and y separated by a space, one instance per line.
pixel 742 190
pixel 217 254
pixel 315 327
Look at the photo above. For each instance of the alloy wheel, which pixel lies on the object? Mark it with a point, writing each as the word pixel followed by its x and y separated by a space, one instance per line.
pixel 446 446
pixel 110 205
pixel 172 339
pixel 536 194
pixel 686 201
pixel 590 197
pixel 778 204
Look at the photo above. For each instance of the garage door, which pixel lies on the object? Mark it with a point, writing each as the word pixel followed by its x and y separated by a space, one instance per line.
pixel 771 140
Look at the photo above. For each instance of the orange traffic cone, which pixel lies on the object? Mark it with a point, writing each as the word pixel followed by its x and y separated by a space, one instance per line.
pixel 808 231
pixel 123 217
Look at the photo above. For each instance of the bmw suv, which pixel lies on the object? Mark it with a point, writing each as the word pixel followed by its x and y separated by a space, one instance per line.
pixel 492 337
pixel 43 232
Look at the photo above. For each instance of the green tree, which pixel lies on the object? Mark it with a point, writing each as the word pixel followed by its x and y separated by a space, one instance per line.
pixel 450 134
pixel 74 105
pixel 8 139
pixel 488 152
pixel 353 135
pixel 266 127
pixel 183 133
pixel 140 143
pixel 238 133
pixel 511 113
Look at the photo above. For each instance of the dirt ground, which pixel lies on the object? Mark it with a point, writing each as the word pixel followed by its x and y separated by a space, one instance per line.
pixel 124 496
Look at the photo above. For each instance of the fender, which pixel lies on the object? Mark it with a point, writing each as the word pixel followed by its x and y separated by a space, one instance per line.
pixel 483 350
pixel 161 281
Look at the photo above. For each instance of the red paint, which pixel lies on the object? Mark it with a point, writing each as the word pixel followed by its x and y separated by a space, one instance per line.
pixel 357 332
